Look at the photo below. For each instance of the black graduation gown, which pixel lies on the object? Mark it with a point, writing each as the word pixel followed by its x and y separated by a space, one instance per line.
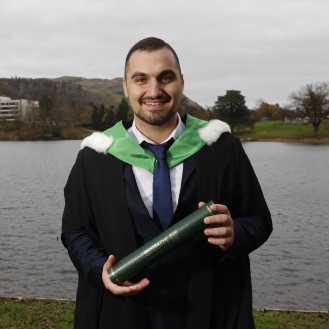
pixel 219 293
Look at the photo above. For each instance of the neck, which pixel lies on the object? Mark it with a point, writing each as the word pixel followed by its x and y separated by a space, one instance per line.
pixel 157 134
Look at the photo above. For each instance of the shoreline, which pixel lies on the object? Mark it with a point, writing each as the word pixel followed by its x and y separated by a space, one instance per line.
pixel 302 140
pixel 49 313
pixel 72 300
pixel 306 140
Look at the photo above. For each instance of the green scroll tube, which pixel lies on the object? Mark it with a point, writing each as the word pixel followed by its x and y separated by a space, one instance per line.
pixel 158 246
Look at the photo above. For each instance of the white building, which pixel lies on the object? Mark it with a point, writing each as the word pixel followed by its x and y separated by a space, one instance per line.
pixel 18 109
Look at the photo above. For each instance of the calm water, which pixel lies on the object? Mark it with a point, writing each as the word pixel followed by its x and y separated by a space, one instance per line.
pixel 290 271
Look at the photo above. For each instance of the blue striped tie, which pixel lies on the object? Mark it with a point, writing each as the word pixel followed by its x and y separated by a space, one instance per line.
pixel 162 198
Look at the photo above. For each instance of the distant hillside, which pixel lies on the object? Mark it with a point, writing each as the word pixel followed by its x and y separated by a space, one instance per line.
pixel 110 92
pixel 73 99
pixel 101 91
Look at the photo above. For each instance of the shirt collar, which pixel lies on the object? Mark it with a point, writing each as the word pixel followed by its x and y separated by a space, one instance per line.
pixel 139 137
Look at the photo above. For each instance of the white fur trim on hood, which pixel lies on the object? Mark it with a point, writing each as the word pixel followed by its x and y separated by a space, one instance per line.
pixel 209 133
pixel 97 141
pixel 213 130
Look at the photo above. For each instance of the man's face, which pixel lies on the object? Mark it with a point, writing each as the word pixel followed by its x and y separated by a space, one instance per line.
pixel 153 86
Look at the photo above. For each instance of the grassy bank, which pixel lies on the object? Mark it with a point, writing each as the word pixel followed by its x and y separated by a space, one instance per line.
pixel 280 131
pixel 55 314
pixel 41 132
pixel 262 131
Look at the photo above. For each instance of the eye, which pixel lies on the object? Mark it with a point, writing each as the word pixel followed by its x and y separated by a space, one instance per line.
pixel 140 80
pixel 167 78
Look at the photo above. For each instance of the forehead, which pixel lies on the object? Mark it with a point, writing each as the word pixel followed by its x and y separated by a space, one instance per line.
pixel 151 62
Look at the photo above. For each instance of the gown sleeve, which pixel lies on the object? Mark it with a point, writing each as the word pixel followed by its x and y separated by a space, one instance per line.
pixel 86 255
pixel 252 218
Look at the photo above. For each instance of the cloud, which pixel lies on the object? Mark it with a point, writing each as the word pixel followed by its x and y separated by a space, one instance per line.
pixel 265 49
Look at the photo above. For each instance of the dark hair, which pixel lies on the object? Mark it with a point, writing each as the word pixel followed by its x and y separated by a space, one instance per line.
pixel 150 44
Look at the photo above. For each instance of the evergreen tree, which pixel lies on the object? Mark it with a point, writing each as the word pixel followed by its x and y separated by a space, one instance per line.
pixel 110 117
pixel 46 105
pixel 94 115
pixel 101 114
pixel 232 109
pixel 123 110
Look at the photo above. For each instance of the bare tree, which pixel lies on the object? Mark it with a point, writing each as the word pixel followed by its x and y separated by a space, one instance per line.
pixel 312 101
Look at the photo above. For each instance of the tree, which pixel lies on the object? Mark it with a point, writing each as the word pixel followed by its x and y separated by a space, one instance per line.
pixel 312 101
pixel 94 115
pixel 266 110
pixel 97 115
pixel 46 105
pixel 232 109
pixel 123 110
pixel 110 117
pixel 101 114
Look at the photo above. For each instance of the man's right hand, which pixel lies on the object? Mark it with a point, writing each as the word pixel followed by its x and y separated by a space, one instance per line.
pixel 127 288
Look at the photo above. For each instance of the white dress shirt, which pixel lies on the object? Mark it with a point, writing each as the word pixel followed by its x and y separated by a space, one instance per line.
pixel 144 178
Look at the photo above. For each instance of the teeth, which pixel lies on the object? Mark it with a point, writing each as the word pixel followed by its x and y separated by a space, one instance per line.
pixel 149 103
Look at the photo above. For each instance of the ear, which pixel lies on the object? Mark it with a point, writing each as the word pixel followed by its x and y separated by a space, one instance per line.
pixel 182 81
pixel 124 86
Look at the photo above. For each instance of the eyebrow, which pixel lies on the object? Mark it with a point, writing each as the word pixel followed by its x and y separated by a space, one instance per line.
pixel 167 72
pixel 142 74
pixel 138 74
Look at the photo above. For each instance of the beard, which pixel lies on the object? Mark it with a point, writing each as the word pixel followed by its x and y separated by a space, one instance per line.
pixel 156 118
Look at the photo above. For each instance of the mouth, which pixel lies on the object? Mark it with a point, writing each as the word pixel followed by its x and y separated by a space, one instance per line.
pixel 155 103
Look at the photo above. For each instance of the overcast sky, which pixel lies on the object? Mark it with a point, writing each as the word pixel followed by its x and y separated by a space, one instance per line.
pixel 265 49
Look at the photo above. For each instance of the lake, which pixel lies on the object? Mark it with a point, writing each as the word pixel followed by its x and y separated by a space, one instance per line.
pixel 290 271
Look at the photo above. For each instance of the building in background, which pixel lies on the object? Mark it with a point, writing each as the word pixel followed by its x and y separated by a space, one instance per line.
pixel 18 110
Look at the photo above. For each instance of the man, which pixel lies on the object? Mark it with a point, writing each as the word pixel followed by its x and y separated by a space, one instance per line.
pixel 110 210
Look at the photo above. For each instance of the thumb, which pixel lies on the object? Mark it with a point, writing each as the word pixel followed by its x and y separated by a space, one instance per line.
pixel 110 262
pixel 200 204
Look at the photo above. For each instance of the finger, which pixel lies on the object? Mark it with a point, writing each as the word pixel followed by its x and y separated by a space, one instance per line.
pixel 223 237
pixel 219 241
pixel 219 208
pixel 136 286
pixel 223 242
pixel 217 232
pixel 200 204
pixel 127 288
pixel 130 289
pixel 218 219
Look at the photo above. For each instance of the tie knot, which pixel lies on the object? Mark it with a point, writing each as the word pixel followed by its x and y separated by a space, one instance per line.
pixel 158 150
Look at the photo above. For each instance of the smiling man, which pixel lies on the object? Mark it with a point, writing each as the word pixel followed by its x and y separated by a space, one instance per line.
pixel 121 193
pixel 154 84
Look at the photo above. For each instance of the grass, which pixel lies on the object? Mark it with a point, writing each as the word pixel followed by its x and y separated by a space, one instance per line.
pixel 287 131
pixel 35 313
pixel 58 314
pixel 291 320
pixel 262 131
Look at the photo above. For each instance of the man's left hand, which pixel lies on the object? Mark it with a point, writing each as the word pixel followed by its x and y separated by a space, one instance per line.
pixel 220 227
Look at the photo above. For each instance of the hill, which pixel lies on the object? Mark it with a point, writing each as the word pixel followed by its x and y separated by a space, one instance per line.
pixel 101 91
pixel 70 105
pixel 76 97
pixel 110 92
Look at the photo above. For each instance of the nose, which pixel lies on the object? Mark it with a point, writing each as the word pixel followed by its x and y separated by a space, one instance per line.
pixel 154 89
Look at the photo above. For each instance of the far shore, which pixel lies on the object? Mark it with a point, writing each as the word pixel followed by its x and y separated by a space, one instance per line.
pixel 306 140
pixel 271 131
pixel 314 140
